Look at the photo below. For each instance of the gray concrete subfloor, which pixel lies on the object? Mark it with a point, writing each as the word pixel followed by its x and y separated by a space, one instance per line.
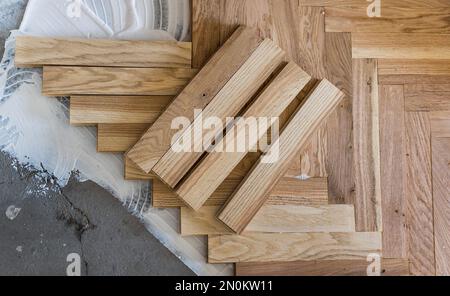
pixel 81 218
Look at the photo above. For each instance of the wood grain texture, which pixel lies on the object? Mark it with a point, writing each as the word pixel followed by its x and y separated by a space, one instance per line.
pixel 419 194
pixel 440 124
pixel 401 46
pixel 66 81
pixel 203 88
pixel 392 152
pixel 414 67
pixel 230 100
pixel 205 26
pixel 91 110
pixel 389 267
pixel 366 146
pixel 133 173
pixel 392 20
pixel 216 166
pixel 274 219
pixel 385 4
pixel 427 97
pixel 118 137
pixel 253 192
pixel 37 52
pixel 287 247
pixel 413 79
pixel 441 203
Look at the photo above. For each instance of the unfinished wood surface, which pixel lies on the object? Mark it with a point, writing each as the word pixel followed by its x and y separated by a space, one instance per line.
pixel 392 152
pixel 132 172
pixel 385 4
pixel 118 137
pixel 419 193
pixel 287 247
pixel 391 20
pixel 274 219
pixel 413 79
pixel 441 203
pixel 205 25
pixel 401 46
pixel 203 88
pixel 211 172
pixel 91 110
pixel 440 124
pixel 366 146
pixel 254 191
pixel 38 52
pixel 66 81
pixel 230 100
pixel 389 267
pixel 427 97
pixel 414 67
pixel 288 191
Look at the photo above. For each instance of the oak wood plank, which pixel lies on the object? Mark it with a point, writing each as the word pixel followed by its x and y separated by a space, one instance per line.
pixel 66 81
pixel 413 79
pixel 217 165
pixel 441 203
pixel 440 124
pixel 366 146
pixel 401 46
pixel 274 219
pixel 419 193
pixel 92 110
pixel 392 152
pixel 427 97
pixel 389 267
pixel 118 137
pixel 413 67
pixel 255 247
pixel 384 4
pixel 132 172
pixel 253 192
pixel 39 51
pixel 230 100
pixel 203 88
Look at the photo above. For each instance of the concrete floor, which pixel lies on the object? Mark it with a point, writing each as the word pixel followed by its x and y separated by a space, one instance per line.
pixel 81 218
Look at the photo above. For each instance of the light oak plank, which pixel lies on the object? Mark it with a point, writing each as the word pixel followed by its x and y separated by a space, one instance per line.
pixel 391 20
pixel 253 192
pixel 66 81
pixel 419 193
pixel 256 247
pixel 413 67
pixel 132 172
pixel 427 97
pixel 230 100
pixel 92 110
pixel 384 4
pixel 440 124
pixel 203 88
pixel 392 152
pixel 401 46
pixel 216 166
pixel 413 79
pixel 118 137
pixel 366 146
pixel 38 52
pixel 389 267
pixel 274 219
pixel 441 203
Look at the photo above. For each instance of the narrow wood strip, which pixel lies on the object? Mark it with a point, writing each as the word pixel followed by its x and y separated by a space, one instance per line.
pixel 132 172
pixel 38 52
pixel 91 110
pixel 441 202
pixel 414 67
pixel 427 97
pixel 389 267
pixel 274 219
pixel 419 194
pixel 366 146
pixel 254 191
pixel 401 46
pixel 288 191
pixel 384 4
pixel 391 20
pixel 440 124
pixel 211 172
pixel 231 99
pixel 413 79
pixel 118 137
pixel 205 25
pixel 288 247
pixel 66 81
pixel 203 88
pixel 392 152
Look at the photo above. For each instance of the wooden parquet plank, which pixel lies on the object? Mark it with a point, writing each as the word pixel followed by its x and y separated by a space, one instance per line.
pixel 118 137
pixel 427 97
pixel 440 124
